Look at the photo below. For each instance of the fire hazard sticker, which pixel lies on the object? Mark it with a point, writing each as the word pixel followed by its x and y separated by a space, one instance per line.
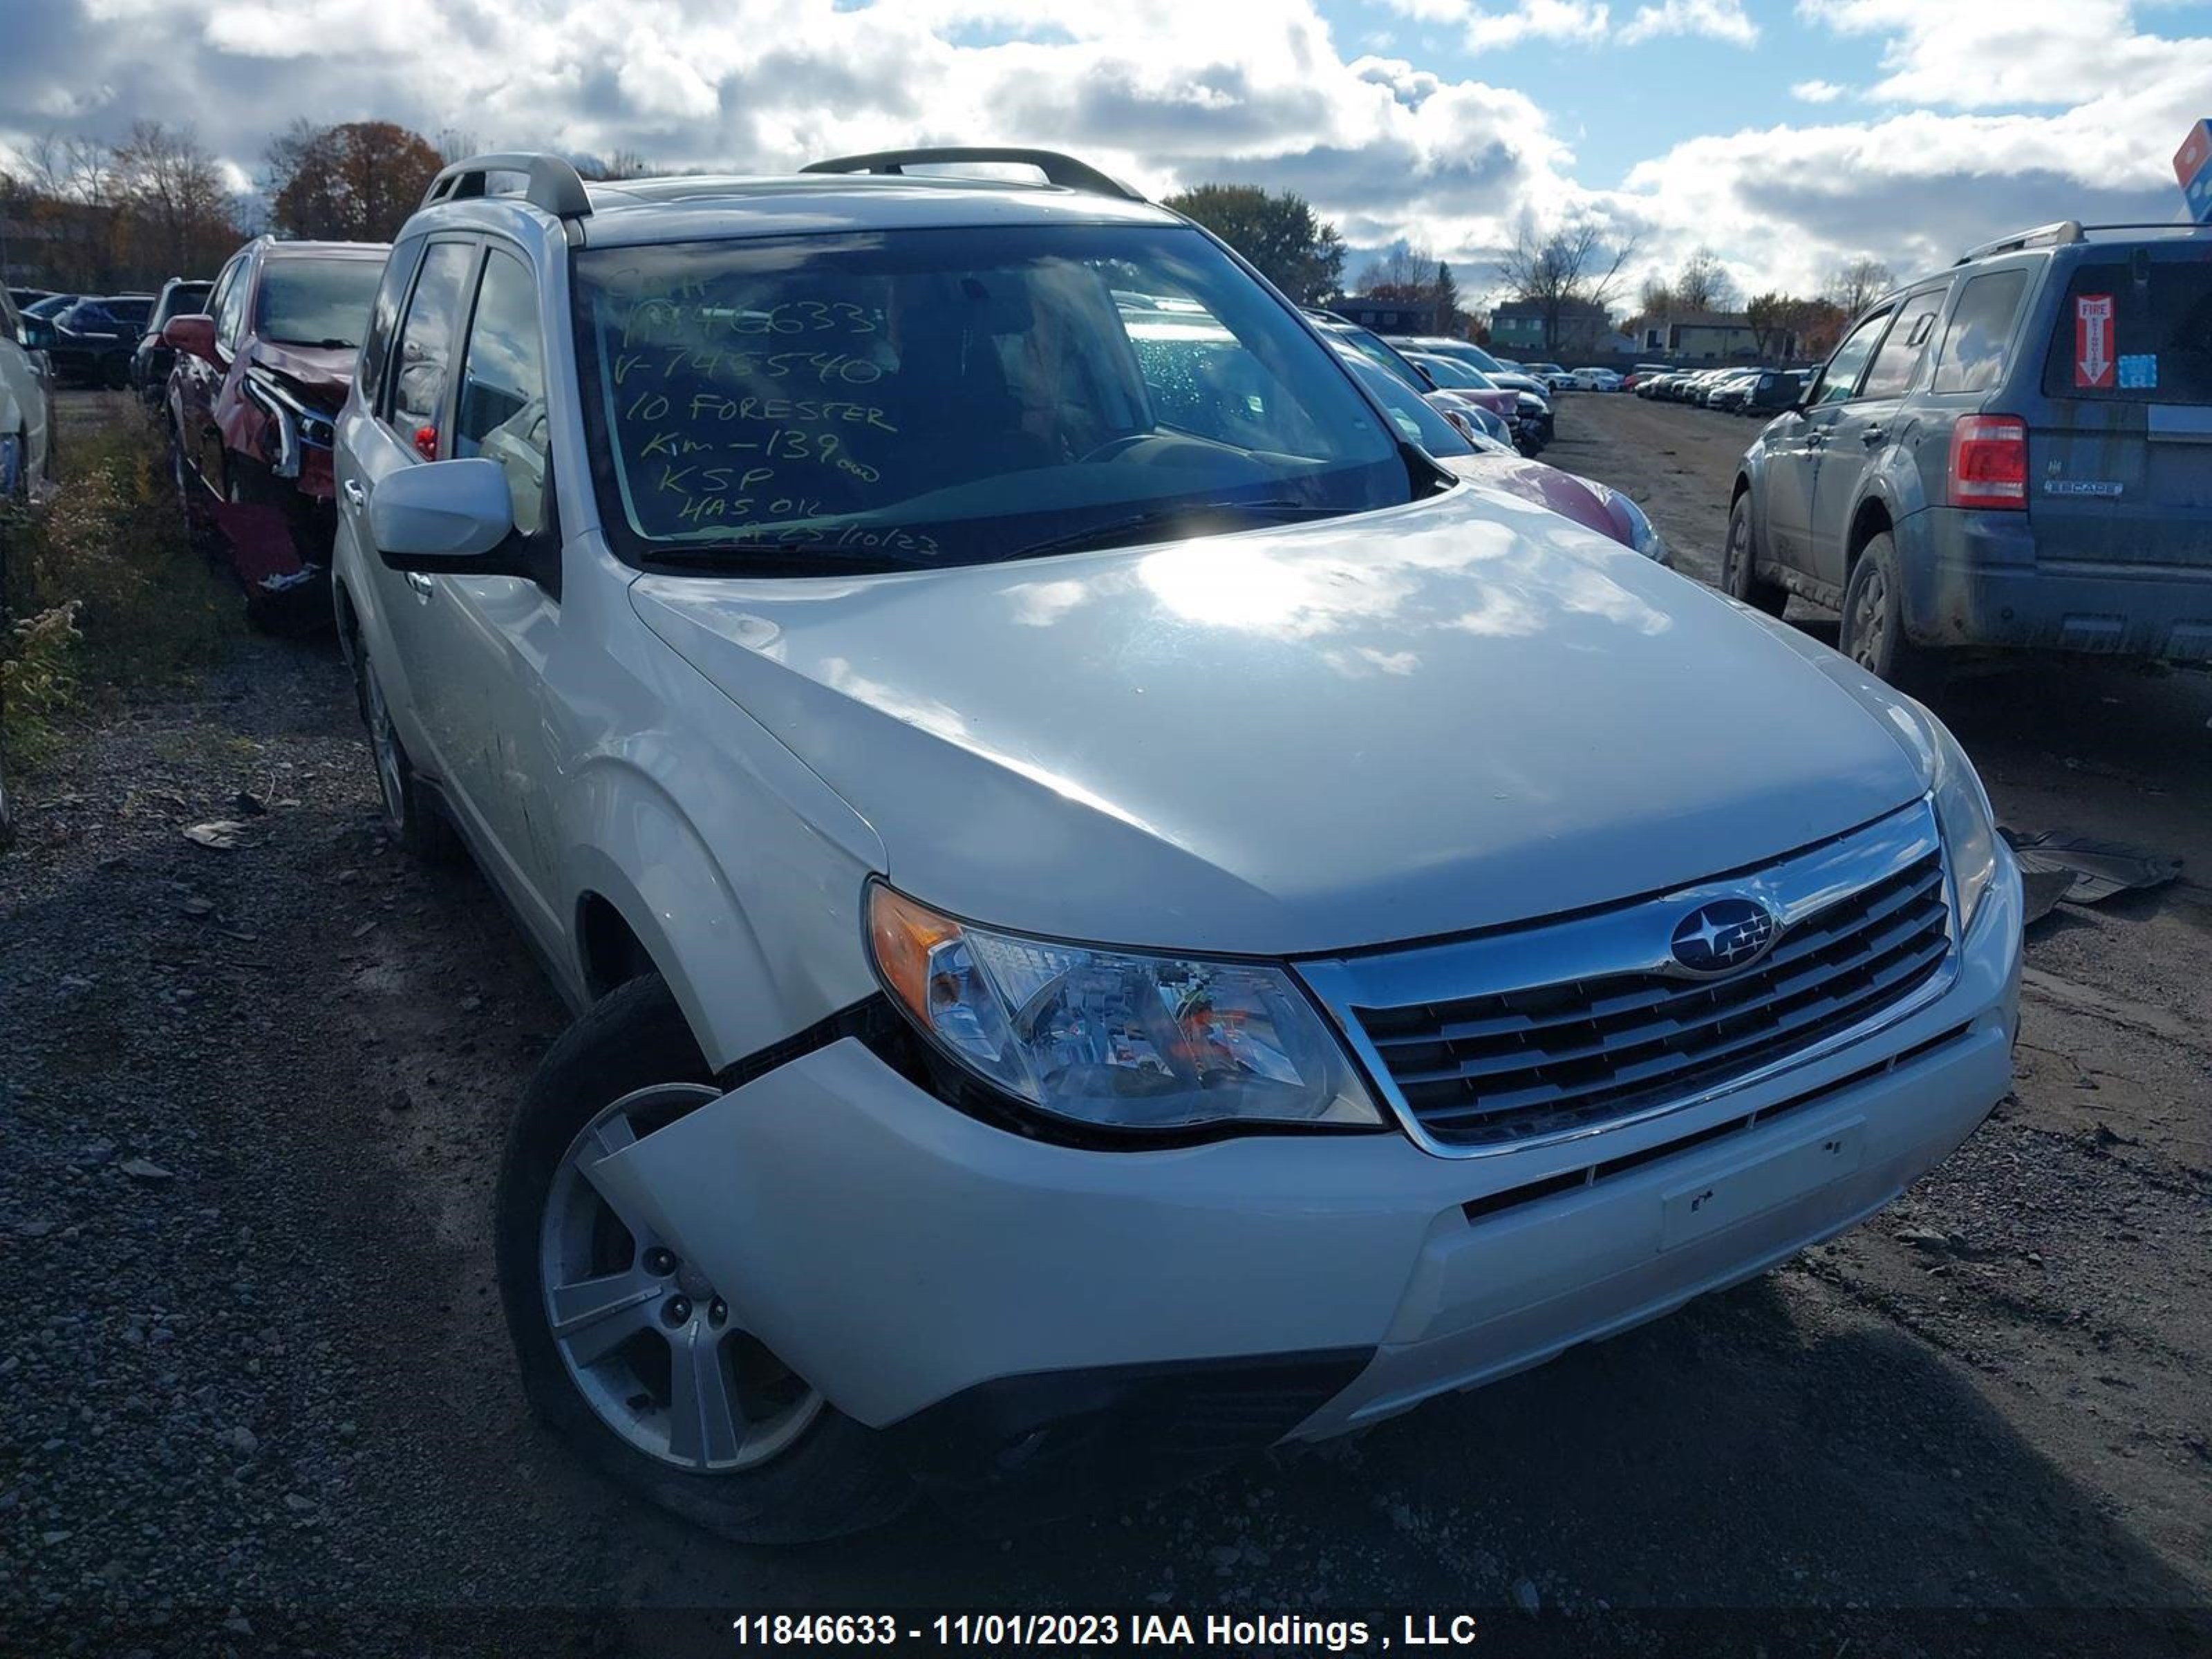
pixel 2093 341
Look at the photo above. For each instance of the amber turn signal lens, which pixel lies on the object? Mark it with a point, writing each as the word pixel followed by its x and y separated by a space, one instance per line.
pixel 903 934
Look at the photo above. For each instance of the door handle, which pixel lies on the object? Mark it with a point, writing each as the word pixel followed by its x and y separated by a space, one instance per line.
pixel 356 496
pixel 1815 439
pixel 1872 435
pixel 423 586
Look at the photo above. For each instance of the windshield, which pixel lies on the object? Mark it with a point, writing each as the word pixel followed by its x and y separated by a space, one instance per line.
pixel 1414 416
pixel 185 299
pixel 316 303
pixel 928 397
pixel 1447 372
pixel 1472 355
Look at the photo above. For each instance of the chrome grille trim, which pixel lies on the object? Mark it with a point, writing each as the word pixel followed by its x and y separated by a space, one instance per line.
pixel 1532 1034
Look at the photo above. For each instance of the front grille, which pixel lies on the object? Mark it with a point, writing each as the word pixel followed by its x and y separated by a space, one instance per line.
pixel 1515 1065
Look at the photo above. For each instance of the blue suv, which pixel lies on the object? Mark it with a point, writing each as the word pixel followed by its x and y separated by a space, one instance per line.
pixel 2014 452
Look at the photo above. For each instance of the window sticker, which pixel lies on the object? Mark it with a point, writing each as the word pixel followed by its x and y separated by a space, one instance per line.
pixel 2093 341
pixel 2139 372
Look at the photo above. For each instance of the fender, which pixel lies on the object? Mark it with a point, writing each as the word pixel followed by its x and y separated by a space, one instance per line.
pixel 702 902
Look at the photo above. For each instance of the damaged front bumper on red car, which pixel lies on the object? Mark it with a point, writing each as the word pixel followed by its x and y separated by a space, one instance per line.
pixel 281 517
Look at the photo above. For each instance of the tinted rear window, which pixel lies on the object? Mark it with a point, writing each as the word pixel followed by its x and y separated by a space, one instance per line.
pixel 2123 340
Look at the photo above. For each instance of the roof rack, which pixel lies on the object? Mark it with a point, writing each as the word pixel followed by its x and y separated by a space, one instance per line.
pixel 1062 170
pixel 554 184
pixel 2063 230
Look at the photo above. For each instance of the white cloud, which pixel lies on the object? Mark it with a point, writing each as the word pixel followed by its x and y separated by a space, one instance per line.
pixel 1547 20
pixel 1817 91
pixel 1989 55
pixel 1720 20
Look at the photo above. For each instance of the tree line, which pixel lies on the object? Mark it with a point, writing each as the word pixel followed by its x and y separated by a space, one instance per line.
pixel 93 217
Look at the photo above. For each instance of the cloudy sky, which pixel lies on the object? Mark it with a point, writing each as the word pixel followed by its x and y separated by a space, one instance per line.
pixel 1786 135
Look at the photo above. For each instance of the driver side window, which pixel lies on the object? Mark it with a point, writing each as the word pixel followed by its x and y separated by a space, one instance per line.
pixel 1840 381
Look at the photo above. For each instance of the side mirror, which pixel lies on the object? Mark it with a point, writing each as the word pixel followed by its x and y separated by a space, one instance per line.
pixel 449 517
pixel 38 334
pixel 193 335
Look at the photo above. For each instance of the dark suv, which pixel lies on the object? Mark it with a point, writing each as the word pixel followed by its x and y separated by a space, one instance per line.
pixel 151 362
pixel 2017 452
pixel 258 382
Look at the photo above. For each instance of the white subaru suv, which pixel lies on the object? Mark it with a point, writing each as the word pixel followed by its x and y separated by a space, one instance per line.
pixel 1119 914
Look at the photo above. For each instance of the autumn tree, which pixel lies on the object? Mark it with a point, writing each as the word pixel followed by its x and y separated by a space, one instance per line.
pixel 1575 265
pixel 356 182
pixel 1295 249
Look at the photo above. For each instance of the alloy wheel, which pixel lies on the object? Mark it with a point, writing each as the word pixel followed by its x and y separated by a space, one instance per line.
pixel 391 778
pixel 646 1338
pixel 1870 619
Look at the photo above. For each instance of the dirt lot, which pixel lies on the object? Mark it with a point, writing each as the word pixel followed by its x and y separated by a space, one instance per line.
pixel 255 1393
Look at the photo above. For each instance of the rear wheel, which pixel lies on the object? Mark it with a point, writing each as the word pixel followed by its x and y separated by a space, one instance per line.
pixel 628 1349
pixel 1874 634
pixel 1739 577
pixel 409 817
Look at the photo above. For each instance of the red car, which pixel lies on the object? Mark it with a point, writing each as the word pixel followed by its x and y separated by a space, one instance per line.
pixel 253 402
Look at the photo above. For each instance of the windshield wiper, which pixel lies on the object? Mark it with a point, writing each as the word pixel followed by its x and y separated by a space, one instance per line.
pixel 1117 532
pixel 775 559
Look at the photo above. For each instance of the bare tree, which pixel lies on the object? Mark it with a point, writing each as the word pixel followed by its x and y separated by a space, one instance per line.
pixel 1857 284
pixel 181 215
pixel 1406 266
pixel 1704 284
pixel 1573 266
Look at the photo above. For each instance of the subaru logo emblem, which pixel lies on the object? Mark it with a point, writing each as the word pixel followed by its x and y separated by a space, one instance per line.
pixel 1722 934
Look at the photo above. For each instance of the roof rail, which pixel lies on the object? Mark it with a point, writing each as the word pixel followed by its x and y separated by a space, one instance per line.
pixel 554 184
pixel 1062 170
pixel 2061 231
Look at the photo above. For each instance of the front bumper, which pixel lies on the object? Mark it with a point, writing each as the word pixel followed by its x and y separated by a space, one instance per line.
pixel 1977 578
pixel 1010 1308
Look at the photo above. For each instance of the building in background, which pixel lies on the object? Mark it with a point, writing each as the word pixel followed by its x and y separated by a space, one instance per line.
pixel 1517 325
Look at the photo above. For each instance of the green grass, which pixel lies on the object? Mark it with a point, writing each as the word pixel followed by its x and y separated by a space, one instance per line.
pixel 105 595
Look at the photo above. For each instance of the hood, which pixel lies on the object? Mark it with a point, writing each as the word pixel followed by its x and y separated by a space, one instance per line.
pixel 1442 717
pixel 1546 486
pixel 322 374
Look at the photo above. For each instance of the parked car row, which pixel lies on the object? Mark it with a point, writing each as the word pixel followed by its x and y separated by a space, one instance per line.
pixel 1079 976
pixel 1752 389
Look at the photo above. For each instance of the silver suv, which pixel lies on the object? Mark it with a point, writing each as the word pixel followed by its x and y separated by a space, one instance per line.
pixel 1118 913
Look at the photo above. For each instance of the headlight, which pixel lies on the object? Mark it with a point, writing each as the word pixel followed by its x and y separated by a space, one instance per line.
pixel 1631 517
pixel 1113 1038
pixel 1962 809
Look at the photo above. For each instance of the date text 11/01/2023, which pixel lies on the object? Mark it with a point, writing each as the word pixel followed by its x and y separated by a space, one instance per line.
pixel 1171 1631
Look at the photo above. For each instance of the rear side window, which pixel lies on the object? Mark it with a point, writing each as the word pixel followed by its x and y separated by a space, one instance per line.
pixel 425 344
pixel 1973 353
pixel 384 319
pixel 502 406
pixel 1898 360
pixel 2121 337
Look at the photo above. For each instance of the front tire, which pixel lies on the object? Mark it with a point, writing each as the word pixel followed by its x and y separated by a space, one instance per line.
pixel 1874 634
pixel 1739 577
pixel 625 1350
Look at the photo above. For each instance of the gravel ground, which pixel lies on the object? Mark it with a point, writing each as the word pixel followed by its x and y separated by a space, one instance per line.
pixel 255 1395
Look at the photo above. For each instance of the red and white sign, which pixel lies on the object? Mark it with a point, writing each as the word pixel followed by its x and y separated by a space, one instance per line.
pixel 2093 341
pixel 2196 150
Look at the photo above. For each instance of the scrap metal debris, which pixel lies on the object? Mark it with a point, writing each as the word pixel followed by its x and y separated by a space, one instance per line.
pixel 222 834
pixel 2093 870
